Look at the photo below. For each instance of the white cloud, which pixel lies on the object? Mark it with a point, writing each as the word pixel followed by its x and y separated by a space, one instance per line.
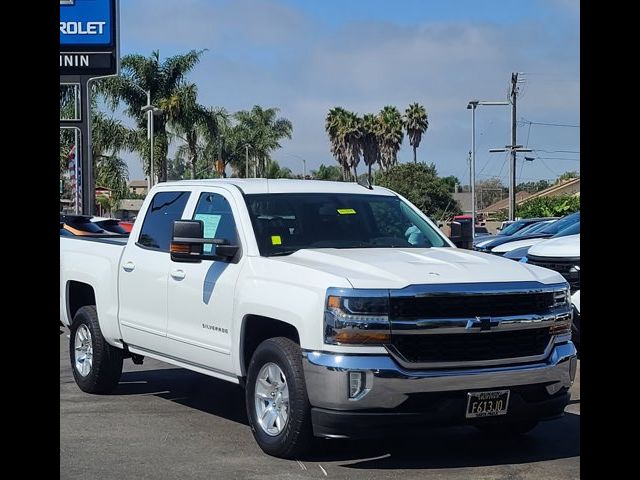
pixel 266 53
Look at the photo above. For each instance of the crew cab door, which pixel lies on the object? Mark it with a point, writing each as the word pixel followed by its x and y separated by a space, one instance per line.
pixel 201 295
pixel 144 272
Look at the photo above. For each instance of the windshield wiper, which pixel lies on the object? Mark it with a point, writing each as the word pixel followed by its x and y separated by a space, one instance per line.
pixel 282 253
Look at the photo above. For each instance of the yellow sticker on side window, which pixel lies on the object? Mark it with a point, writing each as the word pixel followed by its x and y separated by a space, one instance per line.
pixel 346 211
pixel 276 240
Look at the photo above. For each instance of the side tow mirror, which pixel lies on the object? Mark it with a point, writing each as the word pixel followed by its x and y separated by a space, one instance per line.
pixel 187 241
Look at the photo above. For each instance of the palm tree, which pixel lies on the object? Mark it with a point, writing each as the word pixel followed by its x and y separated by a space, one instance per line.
pixel 274 170
pixel 333 125
pixel 416 123
pixel 109 137
pixel 369 141
pixel 262 129
pixel 390 135
pixel 163 79
pixel 350 132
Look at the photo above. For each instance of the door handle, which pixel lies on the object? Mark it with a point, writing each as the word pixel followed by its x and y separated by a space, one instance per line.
pixel 129 266
pixel 178 274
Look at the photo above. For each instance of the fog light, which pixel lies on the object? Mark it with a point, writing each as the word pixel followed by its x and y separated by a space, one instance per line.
pixel 356 384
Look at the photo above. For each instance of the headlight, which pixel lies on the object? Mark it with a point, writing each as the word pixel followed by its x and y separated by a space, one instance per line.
pixel 523 260
pixel 562 297
pixel 357 319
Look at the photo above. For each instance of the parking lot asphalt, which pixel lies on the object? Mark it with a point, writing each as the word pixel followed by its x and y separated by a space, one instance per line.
pixel 168 423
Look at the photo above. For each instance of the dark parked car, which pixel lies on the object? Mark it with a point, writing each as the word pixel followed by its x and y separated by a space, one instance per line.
pixel 547 232
pixel 512 228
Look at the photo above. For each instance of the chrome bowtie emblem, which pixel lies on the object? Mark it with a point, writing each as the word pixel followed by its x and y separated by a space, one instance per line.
pixel 484 323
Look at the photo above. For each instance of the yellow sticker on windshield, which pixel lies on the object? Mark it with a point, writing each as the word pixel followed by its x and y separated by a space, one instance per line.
pixel 346 211
pixel 276 240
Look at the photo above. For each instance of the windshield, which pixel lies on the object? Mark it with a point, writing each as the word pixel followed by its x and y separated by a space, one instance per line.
pixel 533 228
pixel 561 224
pixel 285 223
pixel 571 230
pixel 513 228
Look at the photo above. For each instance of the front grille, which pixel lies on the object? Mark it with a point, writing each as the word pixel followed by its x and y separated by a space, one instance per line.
pixel 479 346
pixel 455 306
pixel 563 267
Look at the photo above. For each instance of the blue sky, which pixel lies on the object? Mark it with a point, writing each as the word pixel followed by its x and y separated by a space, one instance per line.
pixel 305 57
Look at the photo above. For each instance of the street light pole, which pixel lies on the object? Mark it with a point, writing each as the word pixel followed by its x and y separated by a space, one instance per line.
pixel 150 137
pixel 150 111
pixel 246 152
pixel 472 105
pixel 473 172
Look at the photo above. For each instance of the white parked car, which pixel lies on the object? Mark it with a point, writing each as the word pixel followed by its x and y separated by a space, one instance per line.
pixel 562 254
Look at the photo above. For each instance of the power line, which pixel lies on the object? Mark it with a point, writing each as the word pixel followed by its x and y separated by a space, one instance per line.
pixel 556 151
pixel 559 158
pixel 524 121
pixel 547 166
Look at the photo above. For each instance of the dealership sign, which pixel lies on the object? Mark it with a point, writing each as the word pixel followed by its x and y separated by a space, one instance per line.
pixel 88 37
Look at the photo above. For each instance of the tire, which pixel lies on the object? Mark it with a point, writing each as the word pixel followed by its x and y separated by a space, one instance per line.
pixel 295 437
pixel 509 428
pixel 101 368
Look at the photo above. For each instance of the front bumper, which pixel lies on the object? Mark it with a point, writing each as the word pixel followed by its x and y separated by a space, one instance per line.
pixel 395 395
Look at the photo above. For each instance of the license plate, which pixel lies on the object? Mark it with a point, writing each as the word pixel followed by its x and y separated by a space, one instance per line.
pixel 487 404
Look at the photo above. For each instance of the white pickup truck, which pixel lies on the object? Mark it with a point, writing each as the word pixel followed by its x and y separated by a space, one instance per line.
pixel 342 310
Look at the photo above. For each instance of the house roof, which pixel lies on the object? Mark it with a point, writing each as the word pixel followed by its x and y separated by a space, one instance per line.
pixel 567 186
pixel 504 203
pixel 559 189
pixel 138 183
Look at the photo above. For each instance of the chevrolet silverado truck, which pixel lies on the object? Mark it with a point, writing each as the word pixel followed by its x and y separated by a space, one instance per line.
pixel 342 310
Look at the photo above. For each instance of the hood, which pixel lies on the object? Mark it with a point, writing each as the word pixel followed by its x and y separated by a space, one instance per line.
pixel 400 267
pixel 523 242
pixel 568 246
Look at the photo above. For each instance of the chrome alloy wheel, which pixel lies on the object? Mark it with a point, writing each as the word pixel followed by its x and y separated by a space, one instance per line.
pixel 272 399
pixel 83 350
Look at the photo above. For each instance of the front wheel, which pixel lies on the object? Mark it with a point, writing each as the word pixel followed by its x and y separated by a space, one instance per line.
pixel 276 399
pixel 96 365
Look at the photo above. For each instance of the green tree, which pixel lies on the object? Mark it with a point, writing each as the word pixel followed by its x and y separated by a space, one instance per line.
pixel 489 191
pixel 567 176
pixel 548 206
pixel 451 181
pixel 416 123
pixel 420 184
pixel 390 135
pixel 164 79
pixel 369 142
pixel 533 187
pixel 262 130
pixel 327 172
pixel 274 170
pixel 333 126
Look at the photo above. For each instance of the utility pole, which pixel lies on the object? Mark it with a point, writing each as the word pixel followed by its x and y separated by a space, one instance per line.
pixel 514 147
pixel 512 165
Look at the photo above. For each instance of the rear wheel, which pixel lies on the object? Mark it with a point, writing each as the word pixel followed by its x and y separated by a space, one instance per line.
pixel 276 399
pixel 519 427
pixel 96 365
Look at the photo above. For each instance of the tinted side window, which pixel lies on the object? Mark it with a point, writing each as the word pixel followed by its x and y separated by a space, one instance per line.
pixel 215 212
pixel 158 222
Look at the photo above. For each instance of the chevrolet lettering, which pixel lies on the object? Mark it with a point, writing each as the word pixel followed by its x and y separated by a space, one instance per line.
pixel 82 28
